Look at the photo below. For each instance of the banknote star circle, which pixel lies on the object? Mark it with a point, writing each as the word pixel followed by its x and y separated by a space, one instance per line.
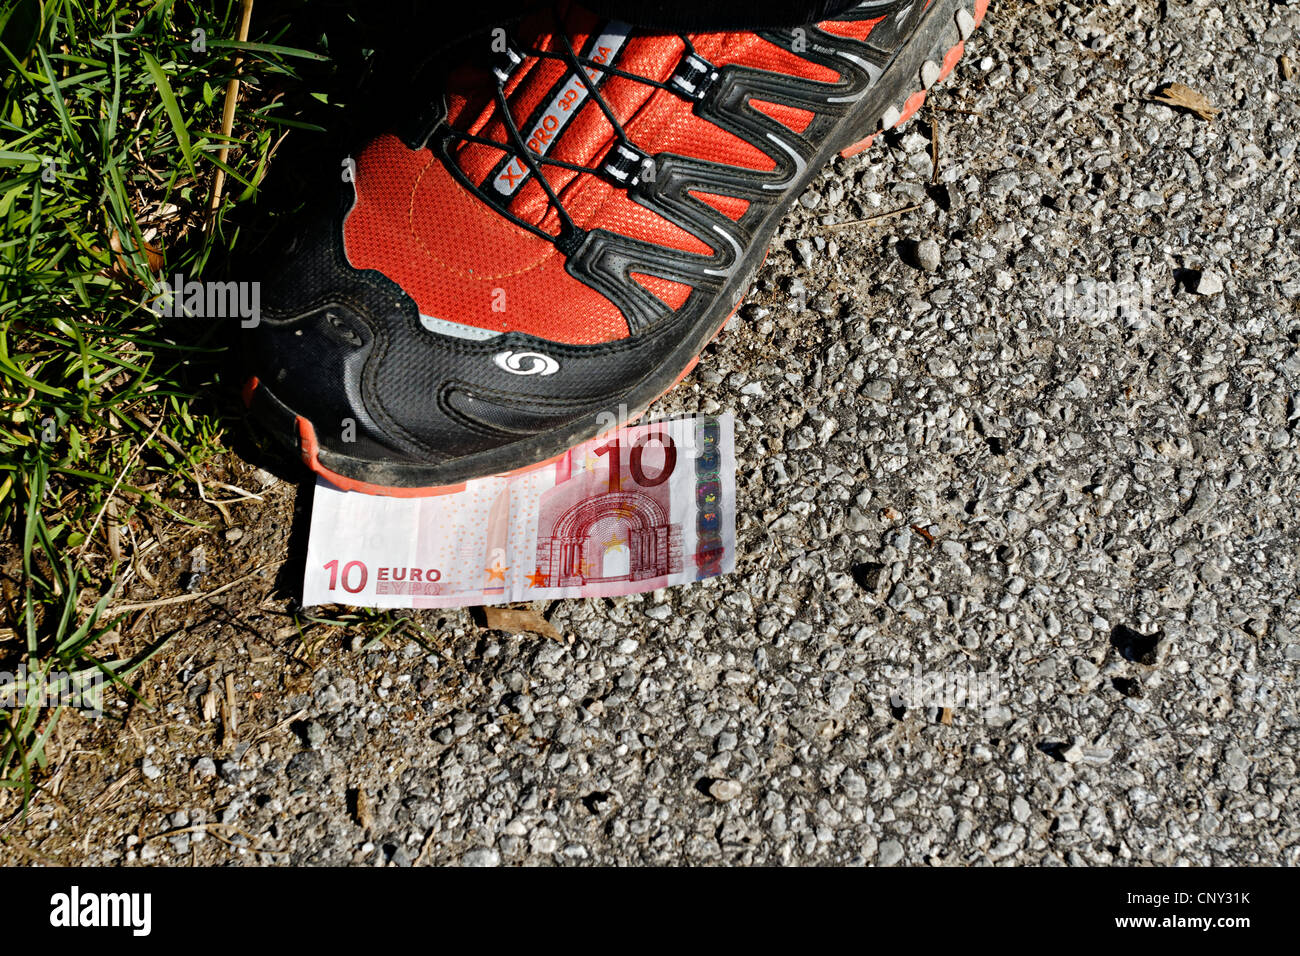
pixel 496 573
pixel 614 543
pixel 537 579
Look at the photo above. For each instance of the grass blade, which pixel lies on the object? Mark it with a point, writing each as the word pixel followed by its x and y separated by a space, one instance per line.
pixel 173 109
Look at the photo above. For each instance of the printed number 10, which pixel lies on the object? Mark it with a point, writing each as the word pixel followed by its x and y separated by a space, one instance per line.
pixel 614 450
pixel 333 569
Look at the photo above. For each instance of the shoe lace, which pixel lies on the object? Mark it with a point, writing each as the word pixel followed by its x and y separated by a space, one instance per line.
pixel 570 235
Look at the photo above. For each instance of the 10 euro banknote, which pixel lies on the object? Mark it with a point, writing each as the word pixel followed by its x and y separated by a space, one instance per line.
pixel 641 508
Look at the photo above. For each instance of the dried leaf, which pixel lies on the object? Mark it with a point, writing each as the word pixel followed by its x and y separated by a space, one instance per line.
pixel 365 819
pixel 153 255
pixel 518 620
pixel 1182 97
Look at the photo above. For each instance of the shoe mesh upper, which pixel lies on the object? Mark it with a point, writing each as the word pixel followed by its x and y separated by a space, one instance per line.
pixel 463 260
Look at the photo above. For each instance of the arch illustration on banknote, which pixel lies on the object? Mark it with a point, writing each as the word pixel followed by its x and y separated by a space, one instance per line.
pixel 616 536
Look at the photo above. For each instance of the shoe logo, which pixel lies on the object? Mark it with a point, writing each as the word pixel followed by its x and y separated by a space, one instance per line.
pixel 526 363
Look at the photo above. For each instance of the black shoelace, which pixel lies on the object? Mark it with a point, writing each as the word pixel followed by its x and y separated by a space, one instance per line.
pixel 570 235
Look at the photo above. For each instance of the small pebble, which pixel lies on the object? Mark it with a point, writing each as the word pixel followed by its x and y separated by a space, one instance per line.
pixel 1208 283
pixel 316 734
pixel 724 790
pixel 483 856
pixel 927 255
pixel 1074 752
pixel 891 852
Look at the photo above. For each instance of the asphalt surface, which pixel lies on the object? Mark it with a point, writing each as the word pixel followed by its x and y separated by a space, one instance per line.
pixel 1017 560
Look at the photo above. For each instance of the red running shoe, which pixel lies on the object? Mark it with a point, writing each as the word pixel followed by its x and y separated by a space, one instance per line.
pixel 558 244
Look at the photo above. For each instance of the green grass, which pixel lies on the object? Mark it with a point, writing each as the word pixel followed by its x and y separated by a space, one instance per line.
pixel 110 120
